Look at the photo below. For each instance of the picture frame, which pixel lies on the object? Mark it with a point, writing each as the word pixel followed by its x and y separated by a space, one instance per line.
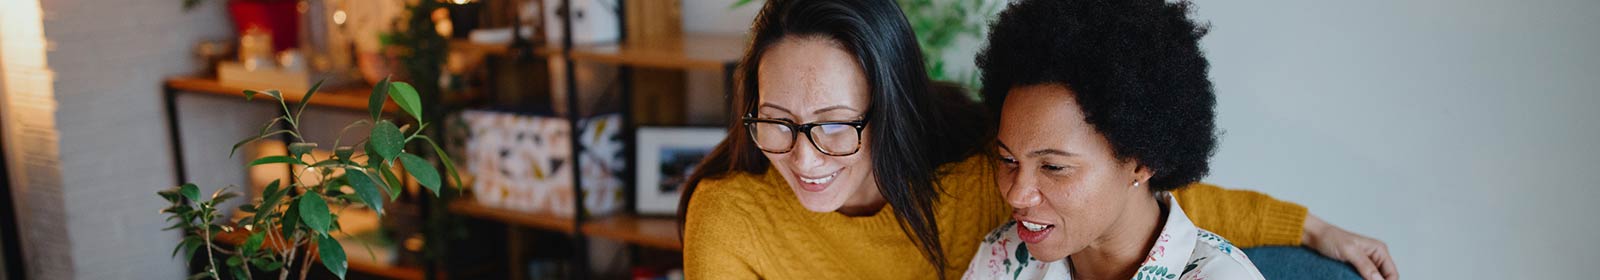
pixel 665 157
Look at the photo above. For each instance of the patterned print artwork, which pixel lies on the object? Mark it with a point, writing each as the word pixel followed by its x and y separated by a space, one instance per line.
pixel 524 162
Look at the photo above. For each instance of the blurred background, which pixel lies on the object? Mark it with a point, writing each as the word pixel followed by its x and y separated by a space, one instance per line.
pixel 1459 132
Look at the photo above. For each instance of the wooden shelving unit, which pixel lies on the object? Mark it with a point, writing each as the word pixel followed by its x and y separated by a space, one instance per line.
pixel 655 46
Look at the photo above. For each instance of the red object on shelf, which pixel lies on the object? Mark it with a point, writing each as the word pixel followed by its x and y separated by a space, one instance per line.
pixel 278 17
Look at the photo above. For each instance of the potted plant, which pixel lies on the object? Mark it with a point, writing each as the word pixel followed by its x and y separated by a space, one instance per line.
pixel 287 221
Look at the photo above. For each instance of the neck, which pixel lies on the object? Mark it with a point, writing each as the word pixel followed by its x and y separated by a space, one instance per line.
pixel 1117 253
pixel 866 201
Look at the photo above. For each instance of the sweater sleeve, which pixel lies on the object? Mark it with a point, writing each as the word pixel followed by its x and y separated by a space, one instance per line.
pixel 714 241
pixel 1246 218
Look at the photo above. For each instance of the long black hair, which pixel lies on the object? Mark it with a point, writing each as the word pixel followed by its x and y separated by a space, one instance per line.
pixel 916 125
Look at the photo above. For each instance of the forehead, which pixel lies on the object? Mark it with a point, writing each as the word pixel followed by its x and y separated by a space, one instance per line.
pixel 1044 116
pixel 806 73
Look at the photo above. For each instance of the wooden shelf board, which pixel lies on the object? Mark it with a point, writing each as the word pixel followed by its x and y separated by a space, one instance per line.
pixel 654 232
pixel 537 220
pixel 695 51
pixel 342 96
pixel 498 49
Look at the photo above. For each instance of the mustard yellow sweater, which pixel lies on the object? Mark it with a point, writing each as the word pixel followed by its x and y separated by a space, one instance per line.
pixel 745 226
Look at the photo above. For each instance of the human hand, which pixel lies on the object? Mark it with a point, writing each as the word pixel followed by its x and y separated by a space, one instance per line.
pixel 1370 257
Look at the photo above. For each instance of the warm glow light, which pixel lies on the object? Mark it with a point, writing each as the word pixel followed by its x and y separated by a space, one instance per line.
pixel 339 17
pixel 461 2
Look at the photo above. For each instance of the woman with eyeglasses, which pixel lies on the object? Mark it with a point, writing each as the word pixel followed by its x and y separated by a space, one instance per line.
pixel 844 161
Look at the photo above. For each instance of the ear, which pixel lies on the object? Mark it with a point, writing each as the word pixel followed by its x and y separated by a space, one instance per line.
pixel 1141 174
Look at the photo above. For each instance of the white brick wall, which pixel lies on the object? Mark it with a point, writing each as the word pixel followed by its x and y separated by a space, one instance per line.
pixel 89 191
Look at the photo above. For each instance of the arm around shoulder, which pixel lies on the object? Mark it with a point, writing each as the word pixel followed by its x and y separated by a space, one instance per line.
pixel 1247 218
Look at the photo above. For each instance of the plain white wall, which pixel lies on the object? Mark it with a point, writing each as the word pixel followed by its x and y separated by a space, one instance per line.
pixel 1460 132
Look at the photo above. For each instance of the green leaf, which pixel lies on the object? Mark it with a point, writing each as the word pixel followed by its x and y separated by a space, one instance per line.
pixel 269 196
pixel 345 154
pixel 171 195
pixel 188 245
pixel 222 195
pixel 241 143
pixel 325 163
pixel 422 170
pixel 449 165
pixel 235 260
pixel 332 255
pixel 266 264
pixel 380 93
pixel 301 148
pixel 314 212
pixel 251 94
pixel 390 179
pixel 276 159
pixel 386 140
pixel 306 100
pixel 291 220
pixel 190 191
pixel 254 243
pixel 406 96
pixel 365 188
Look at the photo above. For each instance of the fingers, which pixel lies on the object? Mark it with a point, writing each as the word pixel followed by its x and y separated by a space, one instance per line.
pixel 1386 263
pixel 1365 267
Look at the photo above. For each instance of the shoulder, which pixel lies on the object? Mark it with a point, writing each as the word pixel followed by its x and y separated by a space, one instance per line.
pixel 728 196
pixel 718 220
pixel 1216 258
pixel 969 178
pixel 970 205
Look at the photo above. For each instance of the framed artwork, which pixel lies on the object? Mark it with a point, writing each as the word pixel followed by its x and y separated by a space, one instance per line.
pixel 522 162
pixel 666 156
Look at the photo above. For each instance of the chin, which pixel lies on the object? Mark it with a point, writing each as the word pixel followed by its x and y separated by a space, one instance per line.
pixel 826 201
pixel 1049 251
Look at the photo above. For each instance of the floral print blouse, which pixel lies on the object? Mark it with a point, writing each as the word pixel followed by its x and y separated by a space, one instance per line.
pixel 1182 251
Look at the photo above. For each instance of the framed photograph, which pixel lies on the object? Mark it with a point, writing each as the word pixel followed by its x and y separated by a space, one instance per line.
pixel 666 156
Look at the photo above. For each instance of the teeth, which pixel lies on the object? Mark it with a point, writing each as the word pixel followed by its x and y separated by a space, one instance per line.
pixel 1033 226
pixel 823 180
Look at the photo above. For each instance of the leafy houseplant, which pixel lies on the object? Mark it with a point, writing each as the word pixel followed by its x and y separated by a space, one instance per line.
pixel 287 217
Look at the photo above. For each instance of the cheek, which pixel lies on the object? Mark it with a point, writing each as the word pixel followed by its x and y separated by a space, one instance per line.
pixel 1074 200
pixel 1004 179
pixel 859 164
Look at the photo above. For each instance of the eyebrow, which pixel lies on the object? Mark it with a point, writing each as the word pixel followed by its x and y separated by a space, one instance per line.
pixel 834 107
pixel 818 111
pixel 769 105
pixel 1038 153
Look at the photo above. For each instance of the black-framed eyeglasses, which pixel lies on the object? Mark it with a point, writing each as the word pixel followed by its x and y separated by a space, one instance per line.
pixel 831 138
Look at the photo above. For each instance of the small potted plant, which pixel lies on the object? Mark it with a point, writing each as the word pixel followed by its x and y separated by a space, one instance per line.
pixel 287 222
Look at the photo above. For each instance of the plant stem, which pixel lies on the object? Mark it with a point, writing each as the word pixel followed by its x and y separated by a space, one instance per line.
pixel 212 259
pixel 305 267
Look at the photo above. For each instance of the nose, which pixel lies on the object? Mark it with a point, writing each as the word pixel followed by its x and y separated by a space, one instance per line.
pixel 1024 190
pixel 805 153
